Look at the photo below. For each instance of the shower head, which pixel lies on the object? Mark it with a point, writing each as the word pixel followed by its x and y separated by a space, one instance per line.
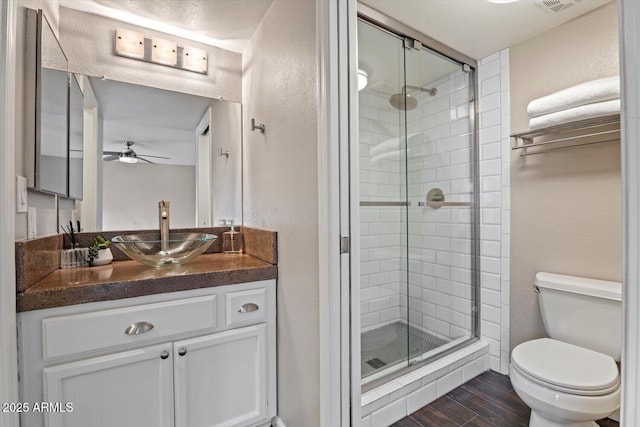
pixel 404 100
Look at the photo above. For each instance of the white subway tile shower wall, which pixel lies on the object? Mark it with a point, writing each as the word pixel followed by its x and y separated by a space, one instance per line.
pixel 382 278
pixel 440 156
pixel 495 147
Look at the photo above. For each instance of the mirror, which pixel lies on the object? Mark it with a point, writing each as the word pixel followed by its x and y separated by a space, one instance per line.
pixel 47 89
pixel 154 144
pixel 76 113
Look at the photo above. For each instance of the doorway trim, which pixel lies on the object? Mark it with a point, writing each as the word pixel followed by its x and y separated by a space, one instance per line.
pixel 629 34
pixel 339 402
pixel 8 335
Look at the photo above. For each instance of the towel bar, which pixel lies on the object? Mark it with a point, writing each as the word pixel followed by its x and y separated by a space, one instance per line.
pixel 584 132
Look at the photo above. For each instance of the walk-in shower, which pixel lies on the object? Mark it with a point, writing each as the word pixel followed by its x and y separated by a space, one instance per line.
pixel 418 266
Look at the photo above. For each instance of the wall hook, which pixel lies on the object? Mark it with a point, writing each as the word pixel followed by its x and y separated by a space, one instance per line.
pixel 260 127
pixel 224 153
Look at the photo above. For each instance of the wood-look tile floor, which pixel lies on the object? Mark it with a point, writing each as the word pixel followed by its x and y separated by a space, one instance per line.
pixel 487 400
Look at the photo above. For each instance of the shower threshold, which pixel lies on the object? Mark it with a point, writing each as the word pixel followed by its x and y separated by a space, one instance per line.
pixel 384 348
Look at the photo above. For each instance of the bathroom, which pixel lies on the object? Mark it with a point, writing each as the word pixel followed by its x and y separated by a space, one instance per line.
pixel 292 169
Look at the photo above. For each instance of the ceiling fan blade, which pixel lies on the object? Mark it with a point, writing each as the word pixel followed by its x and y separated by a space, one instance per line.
pixel 110 152
pixel 145 160
pixel 157 157
pixel 111 157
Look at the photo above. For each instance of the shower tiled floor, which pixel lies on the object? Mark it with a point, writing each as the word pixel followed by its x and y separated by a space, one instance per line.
pixel 486 401
pixel 385 346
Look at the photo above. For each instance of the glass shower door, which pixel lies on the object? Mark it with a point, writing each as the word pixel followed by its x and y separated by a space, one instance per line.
pixel 441 180
pixel 383 205
pixel 417 256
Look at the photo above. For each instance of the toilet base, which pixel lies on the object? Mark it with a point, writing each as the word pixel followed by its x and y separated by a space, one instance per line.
pixel 538 420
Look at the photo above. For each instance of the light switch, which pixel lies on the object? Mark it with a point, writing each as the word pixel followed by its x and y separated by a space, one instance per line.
pixel 21 194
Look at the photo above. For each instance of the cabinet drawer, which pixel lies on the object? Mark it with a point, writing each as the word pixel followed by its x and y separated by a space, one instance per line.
pixel 246 307
pixel 67 335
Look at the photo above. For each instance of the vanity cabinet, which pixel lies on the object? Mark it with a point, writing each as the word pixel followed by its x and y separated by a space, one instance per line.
pixel 237 379
pixel 131 388
pixel 202 358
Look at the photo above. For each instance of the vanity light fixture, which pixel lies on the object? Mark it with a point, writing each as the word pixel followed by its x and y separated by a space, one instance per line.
pixel 164 52
pixel 363 79
pixel 132 44
pixel 194 59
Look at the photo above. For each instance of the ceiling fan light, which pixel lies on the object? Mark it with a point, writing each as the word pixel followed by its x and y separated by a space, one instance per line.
pixel 128 159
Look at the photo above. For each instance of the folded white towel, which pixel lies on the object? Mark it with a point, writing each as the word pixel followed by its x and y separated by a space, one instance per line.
pixel 584 93
pixel 583 112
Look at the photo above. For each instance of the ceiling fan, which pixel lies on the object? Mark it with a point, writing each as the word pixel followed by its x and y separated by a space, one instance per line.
pixel 127 155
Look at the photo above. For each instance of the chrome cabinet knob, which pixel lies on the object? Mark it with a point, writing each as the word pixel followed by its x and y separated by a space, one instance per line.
pixel 138 328
pixel 182 351
pixel 164 355
pixel 248 308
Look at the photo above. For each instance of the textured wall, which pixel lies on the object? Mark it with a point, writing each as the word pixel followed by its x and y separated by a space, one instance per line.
pixel 565 206
pixel 281 189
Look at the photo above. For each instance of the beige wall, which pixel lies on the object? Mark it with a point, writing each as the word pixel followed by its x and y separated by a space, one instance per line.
pixel 566 205
pixel 280 189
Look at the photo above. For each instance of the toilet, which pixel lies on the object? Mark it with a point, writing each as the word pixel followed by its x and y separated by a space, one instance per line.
pixel 571 378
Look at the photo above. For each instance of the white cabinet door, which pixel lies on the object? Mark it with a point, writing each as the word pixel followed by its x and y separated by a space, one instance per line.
pixel 221 379
pixel 128 389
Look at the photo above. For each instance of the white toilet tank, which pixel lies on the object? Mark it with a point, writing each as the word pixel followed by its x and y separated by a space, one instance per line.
pixel 581 311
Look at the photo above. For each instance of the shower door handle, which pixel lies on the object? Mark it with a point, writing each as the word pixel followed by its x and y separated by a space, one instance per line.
pixel 435 200
pixel 438 205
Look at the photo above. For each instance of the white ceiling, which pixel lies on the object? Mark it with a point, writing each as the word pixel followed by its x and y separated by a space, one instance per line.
pixel 476 28
pixel 479 28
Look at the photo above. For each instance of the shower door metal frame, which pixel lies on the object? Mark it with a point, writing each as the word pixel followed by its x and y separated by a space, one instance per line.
pixel 400 30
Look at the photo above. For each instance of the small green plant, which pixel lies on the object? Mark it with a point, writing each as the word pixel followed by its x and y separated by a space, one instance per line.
pixel 98 243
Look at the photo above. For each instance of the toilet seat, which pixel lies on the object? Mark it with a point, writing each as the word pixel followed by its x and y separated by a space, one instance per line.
pixel 567 368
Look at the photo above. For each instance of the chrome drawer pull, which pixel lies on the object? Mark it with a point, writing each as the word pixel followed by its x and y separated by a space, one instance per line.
pixel 138 328
pixel 248 308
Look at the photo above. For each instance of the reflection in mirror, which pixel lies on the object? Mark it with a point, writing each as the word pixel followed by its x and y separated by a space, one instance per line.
pixel 152 142
pixel 76 113
pixel 51 112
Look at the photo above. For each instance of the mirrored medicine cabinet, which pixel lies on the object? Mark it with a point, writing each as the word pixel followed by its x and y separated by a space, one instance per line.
pixel 53 114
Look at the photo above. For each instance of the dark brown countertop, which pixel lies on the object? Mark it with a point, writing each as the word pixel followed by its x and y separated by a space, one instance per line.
pixel 127 279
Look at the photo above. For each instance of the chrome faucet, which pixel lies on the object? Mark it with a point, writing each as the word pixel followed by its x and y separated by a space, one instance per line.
pixel 163 217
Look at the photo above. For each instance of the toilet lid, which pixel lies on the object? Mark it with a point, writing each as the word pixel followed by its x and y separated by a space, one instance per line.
pixel 566 365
